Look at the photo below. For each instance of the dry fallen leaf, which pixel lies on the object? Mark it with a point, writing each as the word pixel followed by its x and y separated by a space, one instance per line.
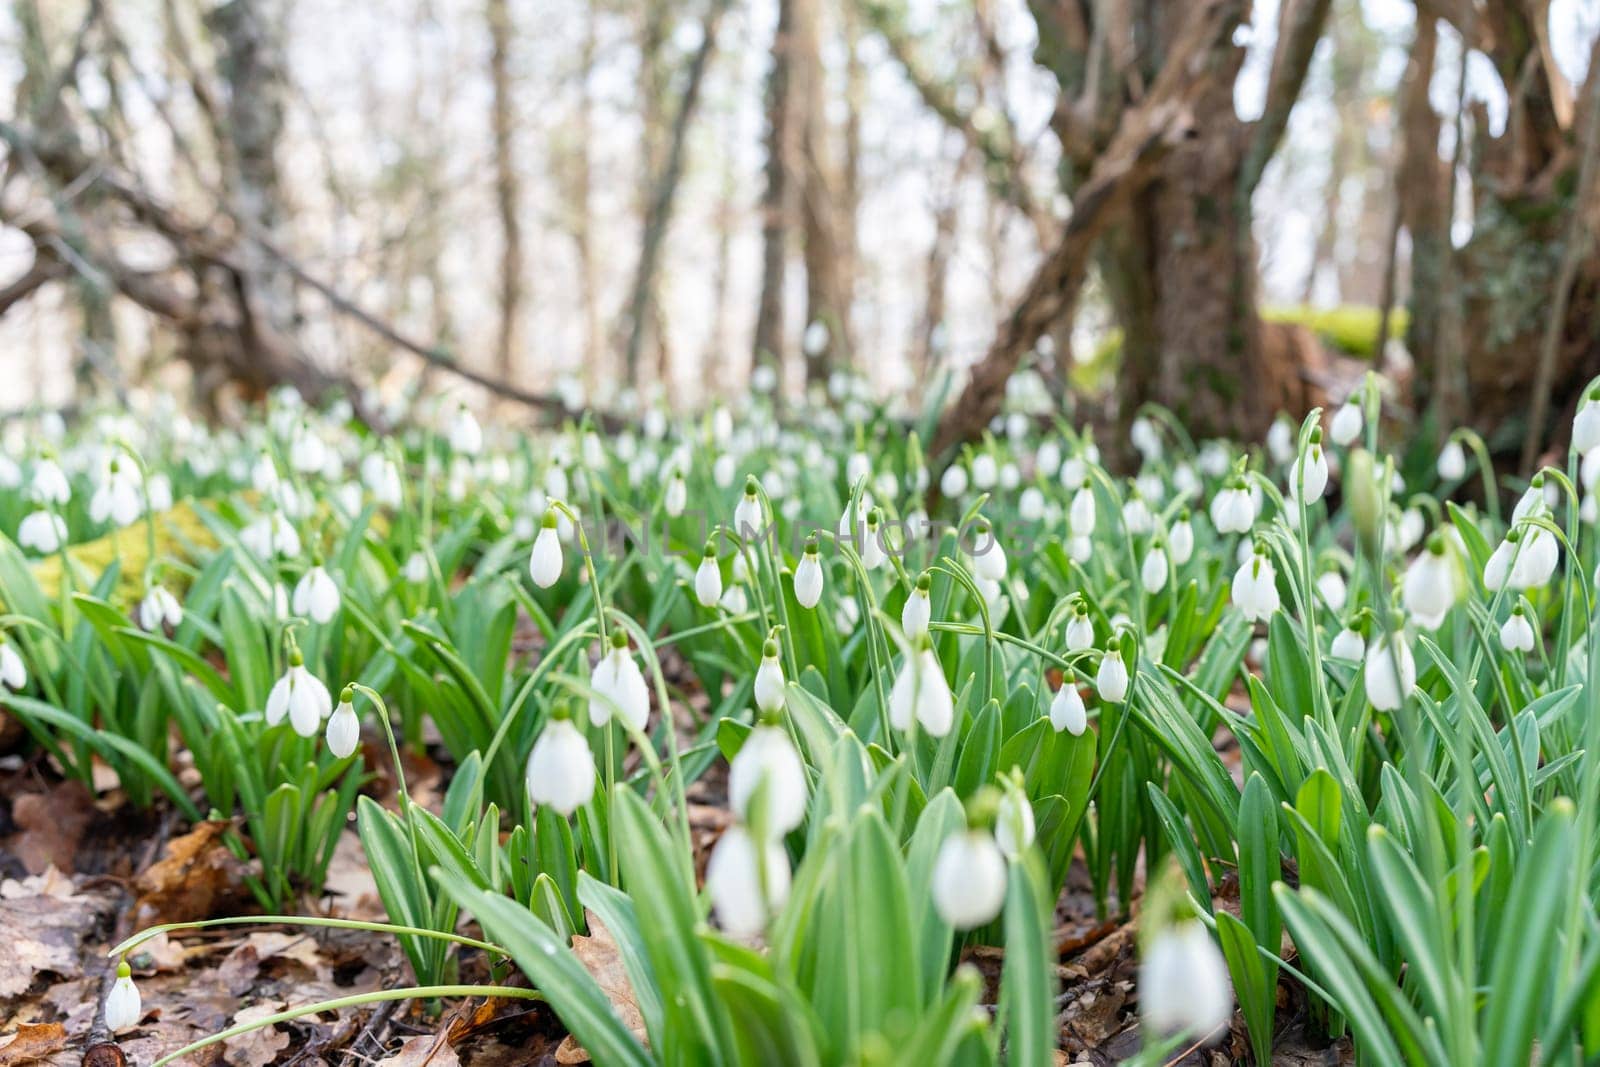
pixel 42 932
pixel 32 1043
pixel 258 1047
pixel 52 826
pixel 198 877
pixel 602 958
pixel 424 1050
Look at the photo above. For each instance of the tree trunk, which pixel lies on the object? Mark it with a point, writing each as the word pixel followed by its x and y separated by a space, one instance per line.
pixel 507 190
pixel 826 295
pixel 778 200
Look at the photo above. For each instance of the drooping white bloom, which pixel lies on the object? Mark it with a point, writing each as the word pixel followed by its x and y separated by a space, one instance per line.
pixel 1013 824
pixel 1067 711
pixel 747 513
pixel 953 482
pixel 748 881
pixel 857 467
pixel 1391 672
pixel 300 697
pixel 708 579
pixel 1331 585
pixel 466 436
pixel 1081 515
pixel 1429 590
pixel 1136 517
pixel 382 479
pixel 1586 424
pixel 808 578
pixel 1452 464
pixel 344 729
pixel 1153 572
pixel 1183 983
pixel 316 596
pixel 1280 441
pixel 1348 644
pixel 1533 501
pixel 264 476
pixel 1313 470
pixel 1030 505
pixel 1536 563
pixel 1255 588
pixel 13 672
pixel 873 555
pixel 619 687
pixel 989 557
pixel 544 563
pixel 918 611
pixel 49 485
pixel 416 568
pixel 123 1007
pixel 119 498
pixel 1517 633
pixel 1080 549
pixel 1498 567
pixel 1080 631
pixel 271 535
pixel 769 685
pixel 1346 425
pixel 1047 461
pixel 1142 435
pixel 1111 680
pixel 1233 510
pixel 308 453
pixel 722 470
pixel 985 472
pixel 560 772
pixel 1180 540
pixel 677 496
pixel 768 755
pixel 42 531
pixel 920 693
pixel 969 879
pixel 734 600
pixel 159 607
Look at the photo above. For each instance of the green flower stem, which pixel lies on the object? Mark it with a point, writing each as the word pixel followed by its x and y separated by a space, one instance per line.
pixel 127 946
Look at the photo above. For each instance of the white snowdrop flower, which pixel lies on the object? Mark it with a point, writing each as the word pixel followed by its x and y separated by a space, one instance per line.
pixel 1348 644
pixel 618 687
pixel 119 497
pixel 10 472
pixel 734 599
pixel 1014 828
pixel 1391 672
pixel 1185 480
pixel 1429 589
pixel 1213 459
pixel 808 577
pixel 264 473
pixel 1180 540
pixel 1452 463
pixel 1030 506
pixel 1047 461
pixel 1183 983
pixel 847 614
pixel 123 1008
pixel 466 436
pixel 316 596
pixel 918 610
pixel 347 498
pixel 416 568
pixel 1589 510
pixel 1080 631
pixel 49 484
pixel 1498 567
pixel 920 693
pixel 985 472
pixel 1016 425
pixel 1111 680
pixel 271 535
pixel 872 549
pixel 1280 441
pixel 560 772
pixel 768 755
pixel 382 479
pixel 969 879
pixel 953 482
pixel 722 470
pixel 1151 486
pixel 677 495
pixel 1067 711
pixel 763 378
pixel 748 882
pixel 1136 516
pixel 1532 502
pixel 43 532
pixel 1313 470
pixel 13 672
pixel 1080 549
pixel 769 686
pixel 300 697
pixel 989 557
pixel 1410 529
pixel 1589 469
pixel 307 452
pixel 590 449
pixel 1233 510
pixel 158 608
pixel 1074 470
pixel 1331 585
pixel 1346 425
pixel 886 485
pixel 1142 434
pixel 1081 515
pixel 1153 572
pixel 344 729
pixel 1257 652
pixel 747 522
pixel 556 484
pixel 857 467
pixel 1517 633
pixel 1586 423
pixel 544 563
pixel 1255 588
pixel 1536 563
pixel 708 578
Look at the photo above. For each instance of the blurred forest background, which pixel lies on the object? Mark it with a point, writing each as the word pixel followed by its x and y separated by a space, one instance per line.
pixel 548 204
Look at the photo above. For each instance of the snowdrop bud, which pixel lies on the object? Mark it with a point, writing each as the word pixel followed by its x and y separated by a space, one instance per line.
pixel 344 729
pixel 1233 510
pixel 920 694
pixel 748 881
pixel 984 471
pixel 918 610
pixel 123 1008
pixel 1111 680
pixel 747 513
pixel 1013 823
pixel 857 467
pixel 1586 424
pixel 1452 465
pixel 1429 590
pixel 872 553
pixel 1532 502
pixel 1348 644
pixel 1153 572
pixel 416 568
pixel 1030 506
pixel 677 495
pixel 316 597
pixel 953 482
pixel 768 756
pixel 1313 471
pixel 969 879
pixel 1081 515
pixel 618 687
pixel 1346 425
pixel 1136 515
pixel 1183 982
pixel 708 578
pixel 1067 711
pixel 808 577
pixel 159 608
pixel 466 436
pixel 1180 539
pixel 989 558
pixel 544 564
pixel 1331 585
pixel 42 531
pixel 1391 672
pixel 769 679
pixel 13 672
pixel 1517 633
pixel 722 471
pixel 1255 587
pixel 1142 434
pixel 1280 441
pixel 560 772
pixel 1080 631
pixel 1047 461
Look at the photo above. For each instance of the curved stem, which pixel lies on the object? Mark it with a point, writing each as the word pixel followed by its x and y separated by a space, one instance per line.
pixel 127 946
